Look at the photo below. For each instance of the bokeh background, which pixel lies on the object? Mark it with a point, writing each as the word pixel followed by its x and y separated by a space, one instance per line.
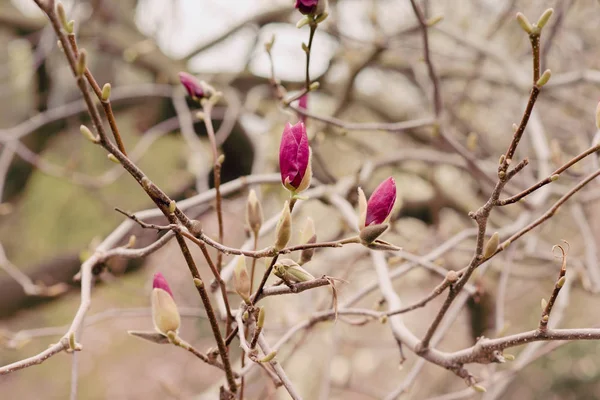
pixel 58 192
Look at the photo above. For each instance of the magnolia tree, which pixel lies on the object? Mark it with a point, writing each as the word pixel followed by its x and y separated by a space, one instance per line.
pixel 245 333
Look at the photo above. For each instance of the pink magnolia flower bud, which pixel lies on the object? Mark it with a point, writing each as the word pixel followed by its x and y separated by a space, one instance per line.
pixel 381 202
pixel 192 85
pixel 164 310
pixel 294 158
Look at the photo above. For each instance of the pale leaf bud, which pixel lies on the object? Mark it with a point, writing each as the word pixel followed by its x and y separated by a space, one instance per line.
pixel 241 279
pixel 544 78
pixel 544 18
pixel 261 318
pixel 283 231
pixel 490 247
pixel 112 158
pixel 254 214
pixel 81 63
pixel 106 92
pixel 290 271
pixel 85 131
pixel 524 22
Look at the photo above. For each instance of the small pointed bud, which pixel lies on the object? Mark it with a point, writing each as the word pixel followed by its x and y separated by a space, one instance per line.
pixel 545 318
pixel 283 232
pixel 62 17
pixel 131 241
pixel 524 22
pixel 241 279
pixel 509 357
pixel 598 116
pixel 305 48
pixel 479 388
pixel 561 281
pixel 544 18
pixel 261 318
pixel 308 237
pixel 106 92
pixel 491 246
pixel 515 127
pixel 198 283
pixel 268 357
pixel 370 233
pixel 544 78
pixel 70 27
pixel 554 177
pixel 544 303
pixel 164 310
pixel 383 246
pixel 193 86
pixel 434 20
pixel 81 63
pixel 151 336
pixel 254 214
pixel 85 131
pixel 452 276
pixel 505 244
pixel 381 203
pixel 295 158
pixel 502 159
pixel 313 86
pixel 112 158
pixel 172 206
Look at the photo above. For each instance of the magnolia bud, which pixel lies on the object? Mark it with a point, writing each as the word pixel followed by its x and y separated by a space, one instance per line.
pixel 81 63
pixel 491 246
pixel 544 18
pixel 106 91
pixel 164 310
pixel 254 214
pixel 370 233
pixel 85 131
pixel 308 237
pixel 261 318
pixel 381 202
pixel 524 22
pixel 295 158
pixel 283 231
pixel 544 78
pixel 241 279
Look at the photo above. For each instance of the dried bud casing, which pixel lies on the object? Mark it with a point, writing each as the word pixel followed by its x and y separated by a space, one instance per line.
pixel 254 214
pixel 290 271
pixel 241 279
pixel 370 233
pixel 283 231
pixel 491 246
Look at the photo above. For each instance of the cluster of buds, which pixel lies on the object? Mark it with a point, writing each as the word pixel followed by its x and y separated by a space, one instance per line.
pixel 375 214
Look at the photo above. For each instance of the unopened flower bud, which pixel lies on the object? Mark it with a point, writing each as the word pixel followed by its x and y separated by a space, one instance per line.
pixel 164 310
pixel 261 318
pixel 381 203
pixel 311 7
pixel 283 232
pixel 294 158
pixel 241 279
pixel 254 214
pixel 192 85
pixel 491 246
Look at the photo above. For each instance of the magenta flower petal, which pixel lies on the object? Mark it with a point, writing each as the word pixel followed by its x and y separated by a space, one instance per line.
pixel 191 85
pixel 307 6
pixel 294 154
pixel 160 282
pixel 381 202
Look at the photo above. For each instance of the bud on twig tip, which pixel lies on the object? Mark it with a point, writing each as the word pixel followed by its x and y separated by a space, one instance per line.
pixel 544 78
pixel 491 246
pixel 524 22
pixel 85 131
pixel 544 18
pixel 561 281
pixel 106 91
